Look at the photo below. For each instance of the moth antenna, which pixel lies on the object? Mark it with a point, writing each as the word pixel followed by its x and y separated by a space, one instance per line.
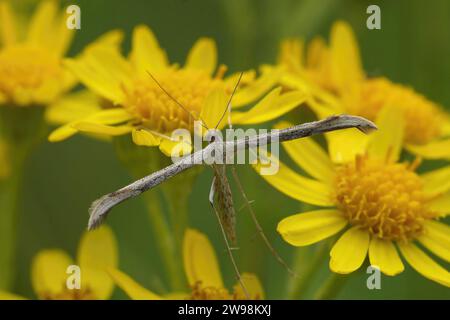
pixel 227 244
pixel 247 203
pixel 176 101
pixel 228 106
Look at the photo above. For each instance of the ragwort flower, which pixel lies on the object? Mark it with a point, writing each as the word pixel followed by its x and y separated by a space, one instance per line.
pixel 336 76
pixel 142 95
pixel 31 71
pixel 379 203
pixel 203 275
pixel 97 252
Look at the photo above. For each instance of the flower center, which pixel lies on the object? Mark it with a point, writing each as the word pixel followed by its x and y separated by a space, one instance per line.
pixel 423 118
pixel 27 68
pixel 159 112
pixel 387 199
pixel 200 292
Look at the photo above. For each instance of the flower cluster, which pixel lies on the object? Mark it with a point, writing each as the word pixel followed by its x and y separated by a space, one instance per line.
pixel 369 199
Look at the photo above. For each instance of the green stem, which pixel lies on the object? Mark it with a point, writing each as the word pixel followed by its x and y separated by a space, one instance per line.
pixel 164 241
pixel 141 161
pixel 21 129
pixel 304 280
pixel 331 287
pixel 9 192
pixel 176 192
pixel 178 211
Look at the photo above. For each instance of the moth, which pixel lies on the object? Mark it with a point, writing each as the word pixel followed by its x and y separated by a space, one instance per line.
pixel 220 196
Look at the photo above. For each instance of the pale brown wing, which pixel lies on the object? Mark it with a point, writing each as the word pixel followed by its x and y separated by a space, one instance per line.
pixel 223 201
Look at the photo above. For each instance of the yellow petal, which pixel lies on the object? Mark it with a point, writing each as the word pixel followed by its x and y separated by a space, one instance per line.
pixel 48 272
pixel 110 63
pixel 252 285
pixel 388 139
pixel 103 71
pixel 436 238
pixel 382 253
pixel 437 181
pixel 291 54
pixel 324 105
pixel 441 204
pixel 98 128
pixel 272 106
pixel 200 261
pixel 62 133
pixel 349 252
pixel 203 56
pixel 146 54
pixel 437 149
pixel 10 296
pixel 344 145
pixel 72 107
pixel 111 39
pixel 346 64
pixel 133 289
pixel 256 89
pixel 298 187
pixel 247 77
pixel 214 107
pixel 97 252
pixel 40 28
pixel 309 155
pixel 175 148
pixel 307 228
pixel 315 52
pixel 96 123
pixel 8 31
pixel 111 116
pixel 445 130
pixel 424 264
pixel 294 81
pixel 62 36
pixel 142 137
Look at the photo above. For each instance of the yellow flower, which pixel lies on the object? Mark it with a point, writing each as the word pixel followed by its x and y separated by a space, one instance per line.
pixel 31 72
pixel 97 251
pixel 379 203
pixel 75 106
pixel 133 102
pixel 336 76
pixel 202 272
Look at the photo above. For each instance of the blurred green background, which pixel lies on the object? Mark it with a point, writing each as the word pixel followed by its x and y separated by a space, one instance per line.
pixel 62 179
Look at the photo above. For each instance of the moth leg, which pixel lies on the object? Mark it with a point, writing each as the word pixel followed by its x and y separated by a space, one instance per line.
pixel 247 203
pixel 212 192
pixel 229 249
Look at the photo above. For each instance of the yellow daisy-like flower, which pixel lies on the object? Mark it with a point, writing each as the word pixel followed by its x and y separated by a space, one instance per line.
pixel 380 204
pixel 336 76
pixel 31 71
pixel 97 252
pixel 135 92
pixel 202 272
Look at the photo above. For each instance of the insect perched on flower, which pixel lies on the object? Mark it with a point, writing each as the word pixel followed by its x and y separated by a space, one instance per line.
pixel 202 272
pixel 97 252
pixel 336 76
pixel 148 97
pixel 384 203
